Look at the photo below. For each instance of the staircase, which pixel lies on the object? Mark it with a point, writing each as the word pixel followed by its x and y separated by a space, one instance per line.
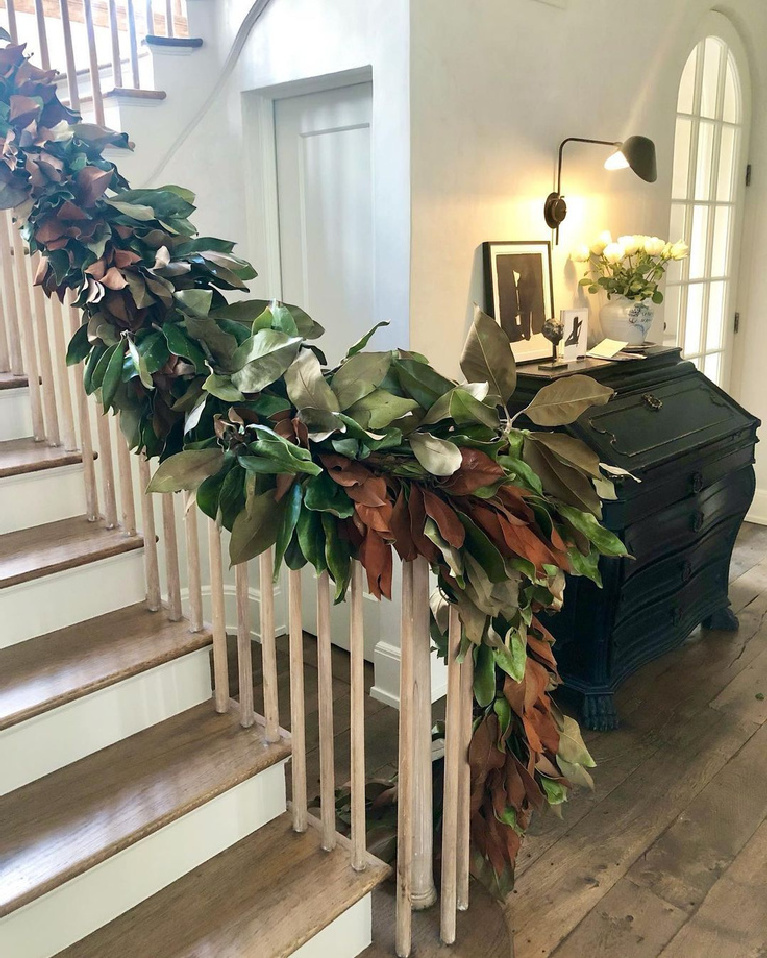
pixel 136 819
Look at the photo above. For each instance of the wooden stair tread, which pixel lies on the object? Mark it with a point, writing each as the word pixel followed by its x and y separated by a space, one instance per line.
pixel 12 381
pixel 262 898
pixel 21 456
pixel 51 670
pixel 54 546
pixel 59 826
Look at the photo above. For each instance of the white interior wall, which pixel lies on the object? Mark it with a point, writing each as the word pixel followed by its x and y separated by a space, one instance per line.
pixel 496 86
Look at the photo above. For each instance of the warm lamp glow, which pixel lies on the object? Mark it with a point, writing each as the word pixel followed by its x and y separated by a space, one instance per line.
pixel 616 161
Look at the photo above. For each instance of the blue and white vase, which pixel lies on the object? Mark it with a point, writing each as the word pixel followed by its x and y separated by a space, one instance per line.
pixel 626 320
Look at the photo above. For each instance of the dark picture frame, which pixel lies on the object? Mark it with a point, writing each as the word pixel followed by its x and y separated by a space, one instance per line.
pixel 519 294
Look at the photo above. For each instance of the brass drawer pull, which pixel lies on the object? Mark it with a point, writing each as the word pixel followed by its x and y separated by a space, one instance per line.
pixel 697 521
pixel 653 402
pixel 697 482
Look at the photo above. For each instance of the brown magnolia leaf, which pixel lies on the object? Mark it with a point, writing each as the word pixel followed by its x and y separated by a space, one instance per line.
pixel 399 524
pixel 92 183
pixel 450 526
pixel 375 556
pixel 476 471
pixel 569 450
pixel 566 399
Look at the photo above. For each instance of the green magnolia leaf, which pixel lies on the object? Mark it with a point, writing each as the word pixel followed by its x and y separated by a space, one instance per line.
pixel 487 357
pixel 79 346
pixel 362 343
pixel 221 387
pixel 511 655
pixel 438 456
pixel 556 793
pixel 195 302
pixel 463 406
pixel 576 774
pixel 607 543
pixel 186 470
pixel 307 387
pixel 518 470
pixel 290 517
pixel 311 538
pixel 484 676
pixel 321 424
pixel 112 376
pixel 266 356
pixel 337 556
pixel 379 408
pixel 565 482
pixel 256 529
pixel 180 344
pixel 325 495
pixel 572 748
pixel 566 399
pixel 569 450
pixel 221 345
pixel 154 351
pixel 248 310
pixel 140 366
pixel 359 376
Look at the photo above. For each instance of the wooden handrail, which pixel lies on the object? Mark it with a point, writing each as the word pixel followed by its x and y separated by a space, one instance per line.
pixel 52 11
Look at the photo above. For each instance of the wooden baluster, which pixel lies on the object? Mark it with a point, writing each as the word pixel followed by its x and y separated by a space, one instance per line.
pixel 27 330
pixel 424 891
pixel 86 438
pixel 11 303
pixel 93 61
pixel 149 17
pixel 325 680
pixel 68 434
pixel 106 462
pixel 42 35
pixel 193 567
pixel 218 620
pixel 172 572
pixel 48 385
pixel 404 918
pixel 268 647
pixel 127 502
pixel 133 42
pixel 357 652
pixel 297 702
pixel 453 737
pixel 12 26
pixel 169 26
pixel 244 646
pixel 5 351
pixel 73 86
pixel 464 779
pixel 149 530
pixel 117 70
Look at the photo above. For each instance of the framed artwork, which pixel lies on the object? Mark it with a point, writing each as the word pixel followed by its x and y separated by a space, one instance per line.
pixel 519 295
pixel 575 333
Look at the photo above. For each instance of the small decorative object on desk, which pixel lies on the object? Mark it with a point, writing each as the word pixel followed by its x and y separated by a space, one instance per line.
pixel 630 272
pixel 575 323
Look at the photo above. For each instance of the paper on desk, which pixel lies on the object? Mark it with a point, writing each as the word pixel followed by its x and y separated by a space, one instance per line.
pixel 606 349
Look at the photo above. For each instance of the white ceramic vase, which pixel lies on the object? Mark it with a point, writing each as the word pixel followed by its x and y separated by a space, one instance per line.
pixel 626 320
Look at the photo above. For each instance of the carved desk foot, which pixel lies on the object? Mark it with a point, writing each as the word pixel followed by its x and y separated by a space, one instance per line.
pixel 724 620
pixel 599 713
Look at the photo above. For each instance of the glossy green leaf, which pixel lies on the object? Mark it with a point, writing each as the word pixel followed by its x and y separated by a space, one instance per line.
pixel 359 376
pixel 186 470
pixel 438 456
pixel 566 399
pixel 255 530
pixel 484 676
pixel 265 358
pixel 380 408
pixel 307 387
pixel 487 357
pixel 364 340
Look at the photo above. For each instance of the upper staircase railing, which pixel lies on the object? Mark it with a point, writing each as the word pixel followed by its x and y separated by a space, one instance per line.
pixel 101 42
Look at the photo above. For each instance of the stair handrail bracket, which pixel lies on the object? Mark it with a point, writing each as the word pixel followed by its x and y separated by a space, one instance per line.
pixel 333 473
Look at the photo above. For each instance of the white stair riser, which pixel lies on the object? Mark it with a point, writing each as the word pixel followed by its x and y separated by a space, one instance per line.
pixel 90 901
pixel 55 601
pixel 37 497
pixel 346 937
pixel 63 735
pixel 15 415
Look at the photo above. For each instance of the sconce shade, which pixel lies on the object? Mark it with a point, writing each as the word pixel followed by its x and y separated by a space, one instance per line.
pixel 638 154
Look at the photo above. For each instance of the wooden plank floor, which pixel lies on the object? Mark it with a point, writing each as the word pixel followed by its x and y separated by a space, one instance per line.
pixel 668 857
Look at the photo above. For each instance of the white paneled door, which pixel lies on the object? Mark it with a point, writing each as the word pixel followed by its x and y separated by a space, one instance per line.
pixel 325 193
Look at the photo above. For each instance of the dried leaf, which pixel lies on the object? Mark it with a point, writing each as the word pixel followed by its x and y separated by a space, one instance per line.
pixel 487 357
pixel 307 387
pixel 566 399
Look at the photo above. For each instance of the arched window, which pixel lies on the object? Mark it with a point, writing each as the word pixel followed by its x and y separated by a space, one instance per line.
pixel 709 174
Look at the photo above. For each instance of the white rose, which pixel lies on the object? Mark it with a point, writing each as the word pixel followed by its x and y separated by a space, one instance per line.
pixel 580 254
pixel 654 246
pixel 667 250
pixel 631 244
pixel 601 243
pixel 614 253
pixel 679 250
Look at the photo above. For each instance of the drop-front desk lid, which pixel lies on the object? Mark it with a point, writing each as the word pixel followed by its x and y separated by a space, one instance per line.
pixel 663 410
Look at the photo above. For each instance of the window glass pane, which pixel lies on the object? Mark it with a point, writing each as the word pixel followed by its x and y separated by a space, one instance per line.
pixel 721 246
pixel 694 321
pixel 698 238
pixel 677 229
pixel 731 105
pixel 681 158
pixel 724 188
pixel 671 324
pixel 712 367
pixel 705 161
pixel 715 327
pixel 711 68
pixel 687 84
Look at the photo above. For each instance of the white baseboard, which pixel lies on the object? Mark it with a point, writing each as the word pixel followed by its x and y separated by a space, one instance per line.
pixel 51 923
pixel 42 744
pixel 230 603
pixel 387 666
pixel 758 511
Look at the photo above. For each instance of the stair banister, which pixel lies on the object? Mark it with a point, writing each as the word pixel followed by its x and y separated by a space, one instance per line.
pixel 326 724
pixel 268 646
pixel 297 701
pixel 11 314
pixel 218 620
pixel 151 563
pixel 357 654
